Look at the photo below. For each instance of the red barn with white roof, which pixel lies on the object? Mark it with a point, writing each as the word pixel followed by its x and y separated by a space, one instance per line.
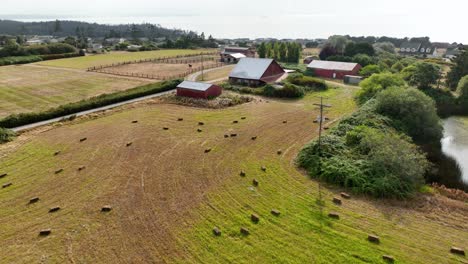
pixel 334 69
pixel 198 90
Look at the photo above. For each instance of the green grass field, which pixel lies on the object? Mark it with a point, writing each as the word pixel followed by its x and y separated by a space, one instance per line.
pixel 29 88
pixel 114 57
pixel 167 194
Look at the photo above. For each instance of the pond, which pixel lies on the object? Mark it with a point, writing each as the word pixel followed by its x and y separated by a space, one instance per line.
pixel 455 143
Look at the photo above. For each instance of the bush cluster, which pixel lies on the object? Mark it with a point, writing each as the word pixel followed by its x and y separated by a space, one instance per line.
pixel 16 120
pixel 19 60
pixel 310 83
pixel 6 135
pixel 364 153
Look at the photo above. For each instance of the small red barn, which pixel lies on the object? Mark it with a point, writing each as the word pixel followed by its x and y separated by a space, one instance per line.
pixel 334 69
pixel 198 90
pixel 256 72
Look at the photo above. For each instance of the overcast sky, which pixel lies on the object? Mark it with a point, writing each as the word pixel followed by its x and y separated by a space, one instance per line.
pixel 441 20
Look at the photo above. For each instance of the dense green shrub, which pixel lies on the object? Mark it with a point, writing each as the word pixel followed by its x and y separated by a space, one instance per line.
pixel 462 90
pixel 6 135
pixel 422 74
pixel 59 56
pixel 362 59
pixel 16 120
pixel 289 91
pixel 374 159
pixel 368 70
pixel 307 81
pixel 445 101
pixel 19 60
pixel 376 83
pixel 340 58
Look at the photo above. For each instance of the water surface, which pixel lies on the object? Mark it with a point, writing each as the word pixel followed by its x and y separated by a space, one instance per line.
pixel 455 142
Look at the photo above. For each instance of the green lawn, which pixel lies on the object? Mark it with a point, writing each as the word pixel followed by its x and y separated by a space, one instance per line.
pixel 114 57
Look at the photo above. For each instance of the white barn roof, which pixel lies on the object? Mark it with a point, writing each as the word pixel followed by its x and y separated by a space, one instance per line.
pixel 250 68
pixel 237 55
pixel 332 65
pixel 198 86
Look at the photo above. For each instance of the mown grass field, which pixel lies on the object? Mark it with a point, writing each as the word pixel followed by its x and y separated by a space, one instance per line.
pixel 167 194
pixel 29 88
pixel 115 57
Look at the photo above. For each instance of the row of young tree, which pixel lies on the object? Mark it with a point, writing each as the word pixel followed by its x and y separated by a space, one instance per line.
pixel 281 51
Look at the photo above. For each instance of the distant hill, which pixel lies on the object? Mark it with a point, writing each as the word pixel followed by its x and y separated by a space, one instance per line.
pixel 93 30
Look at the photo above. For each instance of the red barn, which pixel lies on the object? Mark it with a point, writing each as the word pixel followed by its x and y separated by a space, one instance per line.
pixel 256 72
pixel 198 90
pixel 334 69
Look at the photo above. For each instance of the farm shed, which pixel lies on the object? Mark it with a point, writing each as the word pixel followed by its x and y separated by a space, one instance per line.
pixel 198 90
pixel 350 79
pixel 233 57
pixel 334 69
pixel 227 53
pixel 256 72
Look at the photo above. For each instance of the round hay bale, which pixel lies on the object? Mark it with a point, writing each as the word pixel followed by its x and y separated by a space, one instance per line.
pixel 180 119
pixel 81 168
pixel 226 136
pixel 345 195
pixel 263 168
pixel 129 144
pixel 458 251
pixel 243 118
pixel 285 121
pixel 3 175
pixel 201 123
pixel 242 173
pixel 235 122
pixel 54 209
pixel 254 138
pixel 58 171
pixel 279 152
pixel 233 135
pixel 199 130
pixel 134 121
pixel 56 153
pixel 83 139
pixel 6 185
pixel 165 128
pixel 207 150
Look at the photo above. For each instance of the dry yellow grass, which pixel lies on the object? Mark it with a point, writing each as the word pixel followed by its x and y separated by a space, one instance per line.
pixel 167 194
pixel 29 88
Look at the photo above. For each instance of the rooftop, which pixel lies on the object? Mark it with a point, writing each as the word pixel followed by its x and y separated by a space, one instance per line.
pixel 198 86
pixel 250 68
pixel 332 65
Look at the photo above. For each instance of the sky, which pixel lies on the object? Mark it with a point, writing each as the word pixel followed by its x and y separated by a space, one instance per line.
pixel 440 20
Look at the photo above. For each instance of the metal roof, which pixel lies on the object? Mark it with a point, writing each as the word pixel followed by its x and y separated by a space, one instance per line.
pixel 332 65
pixel 236 48
pixel 237 55
pixel 194 85
pixel 250 68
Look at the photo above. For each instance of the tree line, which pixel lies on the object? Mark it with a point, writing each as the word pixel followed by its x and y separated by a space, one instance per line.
pixel 280 51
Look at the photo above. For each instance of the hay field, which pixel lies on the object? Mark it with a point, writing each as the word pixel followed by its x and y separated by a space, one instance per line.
pixel 29 88
pixel 115 57
pixel 167 194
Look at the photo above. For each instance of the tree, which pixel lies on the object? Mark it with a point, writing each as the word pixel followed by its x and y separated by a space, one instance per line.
pixel 462 91
pixel 352 49
pixel 338 42
pixel 312 44
pixel 327 51
pixel 397 67
pixel 70 41
pixel 282 52
pixel 422 74
pixel 369 70
pixel 362 59
pixel 57 26
pixel 381 47
pixel 376 83
pixel 459 69
pixel 262 50
pixel 411 111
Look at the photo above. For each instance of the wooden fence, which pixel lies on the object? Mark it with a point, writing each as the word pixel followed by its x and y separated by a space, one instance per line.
pixel 160 77
pixel 178 59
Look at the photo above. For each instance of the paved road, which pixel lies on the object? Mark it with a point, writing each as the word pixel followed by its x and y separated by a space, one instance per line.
pixel 46 122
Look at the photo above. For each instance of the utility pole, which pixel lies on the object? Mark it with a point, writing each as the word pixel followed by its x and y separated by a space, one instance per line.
pixel 202 77
pixel 320 120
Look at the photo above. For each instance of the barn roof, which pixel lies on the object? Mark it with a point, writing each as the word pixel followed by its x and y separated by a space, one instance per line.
pixel 250 68
pixel 194 85
pixel 237 55
pixel 332 65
